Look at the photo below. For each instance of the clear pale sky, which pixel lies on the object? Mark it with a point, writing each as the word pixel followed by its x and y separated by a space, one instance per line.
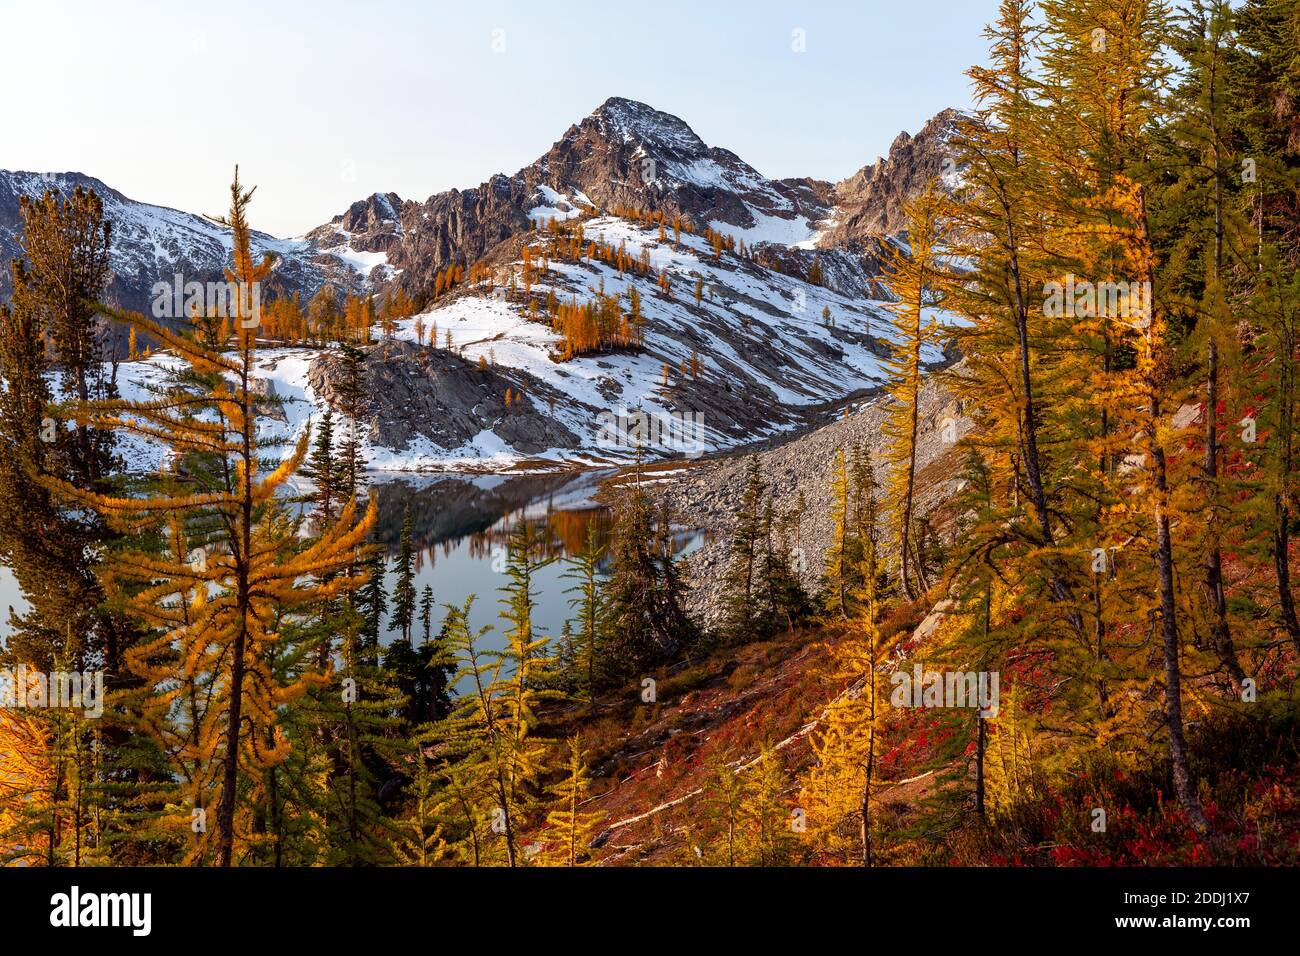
pixel 323 103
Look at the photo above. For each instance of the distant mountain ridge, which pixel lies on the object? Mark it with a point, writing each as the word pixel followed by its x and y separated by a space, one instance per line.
pixel 624 153
pixel 152 243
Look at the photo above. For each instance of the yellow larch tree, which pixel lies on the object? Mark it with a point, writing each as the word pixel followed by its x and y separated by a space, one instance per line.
pixel 913 278
pixel 228 572
pixel 839 788
pixel 570 829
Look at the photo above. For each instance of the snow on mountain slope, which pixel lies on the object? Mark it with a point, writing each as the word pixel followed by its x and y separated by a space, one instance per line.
pixel 670 156
pixel 768 360
pixel 623 154
pixel 363 236
pixel 764 351
pixel 297 409
pixel 771 350
pixel 553 205
pixel 797 231
pixel 153 243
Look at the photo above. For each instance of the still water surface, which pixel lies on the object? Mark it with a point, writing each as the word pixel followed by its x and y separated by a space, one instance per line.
pixel 459 523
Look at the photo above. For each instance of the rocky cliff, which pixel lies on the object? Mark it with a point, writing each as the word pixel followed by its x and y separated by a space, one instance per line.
pixel 434 395
pixel 869 204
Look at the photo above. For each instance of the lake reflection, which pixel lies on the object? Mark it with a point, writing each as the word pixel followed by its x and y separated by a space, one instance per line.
pixel 458 524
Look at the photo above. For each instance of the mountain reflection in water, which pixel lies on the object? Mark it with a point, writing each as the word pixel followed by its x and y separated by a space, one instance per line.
pixel 460 523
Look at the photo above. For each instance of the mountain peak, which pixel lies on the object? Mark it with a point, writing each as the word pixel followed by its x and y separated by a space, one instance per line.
pixel 633 121
pixel 872 201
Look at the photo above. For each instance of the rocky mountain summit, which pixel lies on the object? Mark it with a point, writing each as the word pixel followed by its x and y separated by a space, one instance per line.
pixel 643 157
pixel 629 154
pixel 869 204
pixel 624 153
pixel 363 236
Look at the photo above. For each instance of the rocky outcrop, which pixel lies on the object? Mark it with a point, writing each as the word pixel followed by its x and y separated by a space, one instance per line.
pixel 457 227
pixel 421 393
pixel 369 225
pixel 271 404
pixel 870 203
pixel 858 273
pixel 624 154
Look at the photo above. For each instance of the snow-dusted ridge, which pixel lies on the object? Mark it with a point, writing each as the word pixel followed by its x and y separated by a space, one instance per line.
pixel 152 244
pixel 767 358
pixel 773 353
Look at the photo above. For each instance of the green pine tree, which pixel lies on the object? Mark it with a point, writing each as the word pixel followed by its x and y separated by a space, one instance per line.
pixel 589 609
pixel 319 468
pixel 404 596
pixel 743 618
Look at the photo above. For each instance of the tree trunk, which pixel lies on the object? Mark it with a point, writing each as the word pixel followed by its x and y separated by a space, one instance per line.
pixel 1183 784
pixel 1282 567
pixel 1220 633
pixel 1028 432
pixel 230 772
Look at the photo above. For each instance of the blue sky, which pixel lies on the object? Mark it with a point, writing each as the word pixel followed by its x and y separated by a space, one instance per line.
pixel 325 102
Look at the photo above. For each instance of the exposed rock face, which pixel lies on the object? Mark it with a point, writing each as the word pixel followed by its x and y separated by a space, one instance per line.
pixel 627 152
pixel 273 406
pixel 457 226
pixel 624 153
pixel 432 394
pixel 870 202
pixel 371 225
pixel 376 219
pixel 857 273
